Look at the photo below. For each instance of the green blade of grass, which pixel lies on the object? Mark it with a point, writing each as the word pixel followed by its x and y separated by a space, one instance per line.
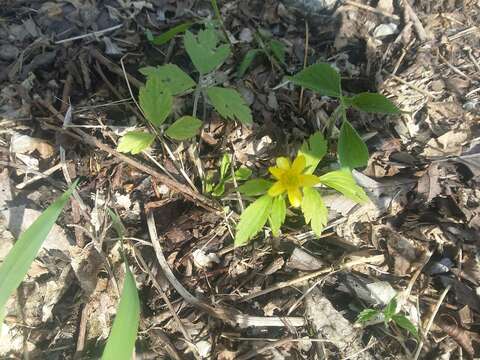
pixel 21 256
pixel 122 338
pixel 124 330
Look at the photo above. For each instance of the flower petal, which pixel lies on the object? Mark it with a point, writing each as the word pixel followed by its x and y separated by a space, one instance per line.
pixel 299 164
pixel 295 196
pixel 276 172
pixel 276 189
pixel 309 180
pixel 283 163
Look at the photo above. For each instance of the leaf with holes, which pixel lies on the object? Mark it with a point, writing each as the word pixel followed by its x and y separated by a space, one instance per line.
pixel 313 149
pixel 204 51
pixel 277 214
pixel 135 142
pixel 156 100
pixel 184 128
pixel 374 103
pixel 321 78
pixel 171 76
pixel 343 181
pixel 255 187
pixel 169 34
pixel 352 151
pixel 230 104
pixel 314 210
pixel 253 219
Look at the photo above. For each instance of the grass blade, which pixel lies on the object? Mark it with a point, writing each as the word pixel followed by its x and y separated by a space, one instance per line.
pixel 25 250
pixel 124 330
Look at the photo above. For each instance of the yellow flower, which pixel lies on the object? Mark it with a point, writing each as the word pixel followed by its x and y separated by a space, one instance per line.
pixel 290 178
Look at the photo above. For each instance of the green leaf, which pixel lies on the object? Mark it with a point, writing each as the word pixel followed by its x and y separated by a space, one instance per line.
pixel 121 341
pixel 203 50
pixel 405 323
pixel 277 214
pixel 255 187
pixel 171 76
pixel 225 165
pixel 184 128
pixel 247 61
pixel 366 315
pixel 156 100
pixel 314 210
pixel 278 50
pixel 314 149
pixel 352 151
pixel 219 189
pixel 321 78
pixel 374 103
pixel 169 34
pixel 390 310
pixel 19 259
pixel 135 142
pixel 230 104
pixel 243 174
pixel 253 219
pixel 343 181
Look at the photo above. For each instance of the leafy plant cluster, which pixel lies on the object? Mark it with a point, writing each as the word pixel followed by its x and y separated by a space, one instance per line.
pixel 389 314
pixel 166 82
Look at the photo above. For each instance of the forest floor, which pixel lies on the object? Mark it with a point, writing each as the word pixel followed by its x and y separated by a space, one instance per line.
pixel 65 101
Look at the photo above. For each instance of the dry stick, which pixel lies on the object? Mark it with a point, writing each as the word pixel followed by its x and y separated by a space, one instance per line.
pixel 305 56
pixel 174 185
pixel 230 316
pixel 430 321
pixel 417 24
pixel 372 9
pixel 167 301
pixel 39 174
pixel 284 284
pixel 254 353
pixel 82 331
pixel 414 87
pixel 94 33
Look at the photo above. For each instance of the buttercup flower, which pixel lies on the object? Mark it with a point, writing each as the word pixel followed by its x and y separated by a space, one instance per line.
pixel 290 178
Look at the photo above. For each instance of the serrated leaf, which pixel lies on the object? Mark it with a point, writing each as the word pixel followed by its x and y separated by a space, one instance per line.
pixel 184 128
pixel 225 165
pixel 19 259
pixel 314 210
pixel 278 50
pixel 352 151
pixel 156 100
pixel 253 219
pixel 247 61
pixel 374 103
pixel 171 76
pixel 169 34
pixel 343 181
pixel 405 323
pixel 313 149
pixel 390 309
pixel 255 187
pixel 230 104
pixel 203 51
pixel 121 341
pixel 321 78
pixel 277 214
pixel 243 173
pixel 366 315
pixel 135 142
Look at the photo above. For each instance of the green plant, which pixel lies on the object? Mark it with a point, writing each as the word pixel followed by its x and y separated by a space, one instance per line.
pixel 20 257
pixel 225 177
pixel 272 49
pixel 166 82
pixel 121 341
pixel 297 181
pixel 389 314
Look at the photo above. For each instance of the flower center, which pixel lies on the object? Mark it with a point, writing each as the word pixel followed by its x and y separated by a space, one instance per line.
pixel 290 180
